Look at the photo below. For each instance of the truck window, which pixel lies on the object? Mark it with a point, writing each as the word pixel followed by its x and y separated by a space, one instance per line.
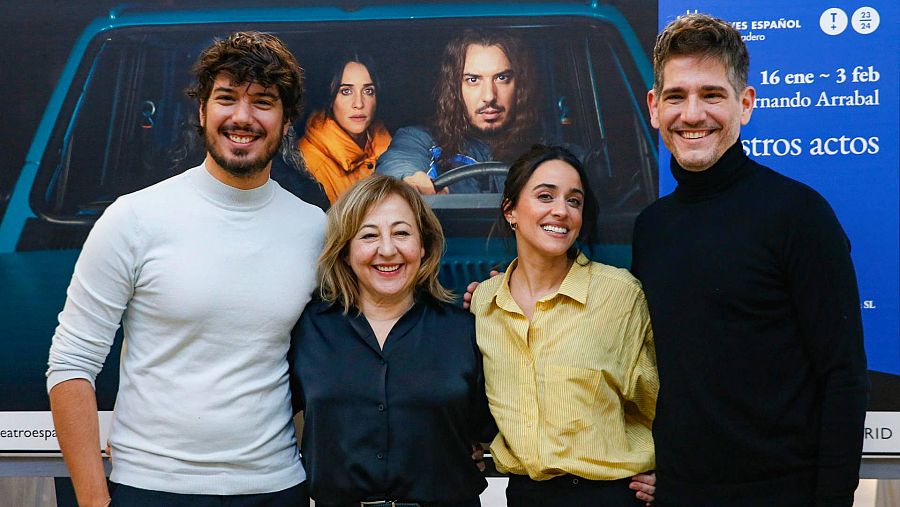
pixel 127 124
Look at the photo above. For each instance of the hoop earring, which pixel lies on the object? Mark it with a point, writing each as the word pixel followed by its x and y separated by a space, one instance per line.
pixel 512 225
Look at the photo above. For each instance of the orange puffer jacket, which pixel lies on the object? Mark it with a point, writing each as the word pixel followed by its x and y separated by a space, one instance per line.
pixel 334 158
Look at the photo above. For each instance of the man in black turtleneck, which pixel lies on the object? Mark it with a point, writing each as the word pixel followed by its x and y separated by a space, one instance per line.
pixel 753 300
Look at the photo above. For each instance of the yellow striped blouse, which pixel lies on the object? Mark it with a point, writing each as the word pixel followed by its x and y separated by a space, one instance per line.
pixel 574 390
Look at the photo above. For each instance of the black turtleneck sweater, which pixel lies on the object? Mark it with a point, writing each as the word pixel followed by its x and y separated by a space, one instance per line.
pixel 756 320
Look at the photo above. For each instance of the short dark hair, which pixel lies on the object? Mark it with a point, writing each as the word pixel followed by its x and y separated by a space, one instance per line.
pixel 522 169
pixel 706 36
pixel 337 72
pixel 251 57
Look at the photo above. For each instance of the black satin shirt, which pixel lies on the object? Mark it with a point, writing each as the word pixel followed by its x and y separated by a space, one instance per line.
pixel 396 423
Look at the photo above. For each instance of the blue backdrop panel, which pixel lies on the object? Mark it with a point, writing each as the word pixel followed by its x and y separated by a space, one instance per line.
pixel 827 114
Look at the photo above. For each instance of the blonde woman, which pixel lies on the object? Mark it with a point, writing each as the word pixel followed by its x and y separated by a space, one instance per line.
pixel 386 370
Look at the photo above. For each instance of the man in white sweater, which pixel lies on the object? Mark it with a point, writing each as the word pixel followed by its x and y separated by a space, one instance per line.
pixel 207 273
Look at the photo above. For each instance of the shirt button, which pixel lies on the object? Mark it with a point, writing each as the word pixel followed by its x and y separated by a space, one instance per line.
pixel 381 407
pixel 575 481
pixel 379 456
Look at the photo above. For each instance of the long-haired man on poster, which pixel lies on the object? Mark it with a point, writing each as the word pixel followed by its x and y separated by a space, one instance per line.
pixel 485 109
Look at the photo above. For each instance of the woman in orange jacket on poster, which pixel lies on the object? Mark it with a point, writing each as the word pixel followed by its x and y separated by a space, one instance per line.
pixel 342 143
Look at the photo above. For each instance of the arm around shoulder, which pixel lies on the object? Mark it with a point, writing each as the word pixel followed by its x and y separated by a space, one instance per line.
pixel 473 297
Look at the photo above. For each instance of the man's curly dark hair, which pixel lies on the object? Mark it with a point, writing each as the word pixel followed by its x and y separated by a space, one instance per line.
pixel 250 57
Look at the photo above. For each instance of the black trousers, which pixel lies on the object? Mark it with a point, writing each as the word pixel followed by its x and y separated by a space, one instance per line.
pixel 569 491
pixel 472 502
pixel 127 496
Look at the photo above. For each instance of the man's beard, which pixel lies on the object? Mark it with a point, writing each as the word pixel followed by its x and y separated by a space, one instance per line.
pixel 491 133
pixel 495 131
pixel 239 164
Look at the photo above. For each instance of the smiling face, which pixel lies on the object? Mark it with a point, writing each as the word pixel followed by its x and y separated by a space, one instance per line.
pixel 548 214
pixel 386 252
pixel 488 88
pixel 243 124
pixel 354 105
pixel 697 111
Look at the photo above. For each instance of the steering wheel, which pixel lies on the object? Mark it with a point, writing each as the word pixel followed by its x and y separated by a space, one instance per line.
pixel 490 168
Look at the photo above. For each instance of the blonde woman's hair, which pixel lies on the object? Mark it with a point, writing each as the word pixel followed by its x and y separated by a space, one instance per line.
pixel 337 281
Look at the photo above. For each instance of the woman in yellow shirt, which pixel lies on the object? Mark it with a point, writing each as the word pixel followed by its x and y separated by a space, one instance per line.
pixel 343 142
pixel 569 361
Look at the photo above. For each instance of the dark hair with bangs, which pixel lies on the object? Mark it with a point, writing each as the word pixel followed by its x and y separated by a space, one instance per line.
pixel 250 57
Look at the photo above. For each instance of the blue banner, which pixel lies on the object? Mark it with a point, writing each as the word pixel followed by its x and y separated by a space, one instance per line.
pixel 826 114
